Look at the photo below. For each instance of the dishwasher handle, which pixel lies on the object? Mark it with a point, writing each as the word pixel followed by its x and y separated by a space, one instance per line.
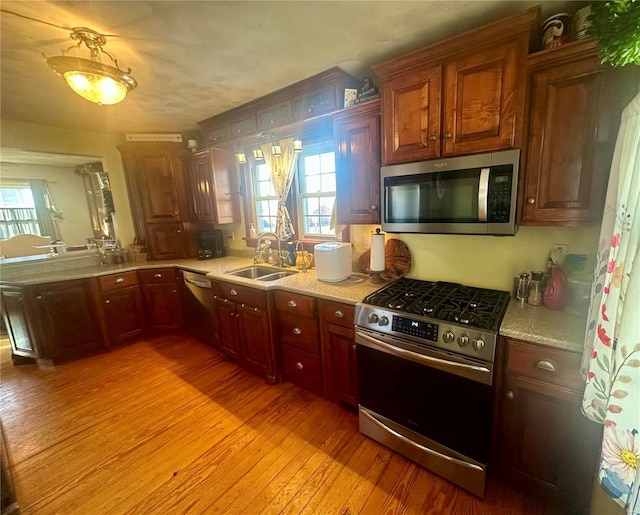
pixel 199 284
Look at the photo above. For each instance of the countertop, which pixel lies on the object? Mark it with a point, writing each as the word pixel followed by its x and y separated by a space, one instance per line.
pixel 535 324
pixel 543 326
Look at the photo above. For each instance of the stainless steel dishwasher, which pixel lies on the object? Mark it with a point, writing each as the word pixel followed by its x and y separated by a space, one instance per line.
pixel 198 306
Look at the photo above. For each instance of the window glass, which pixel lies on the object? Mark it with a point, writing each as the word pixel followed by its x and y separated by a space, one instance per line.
pixel 317 190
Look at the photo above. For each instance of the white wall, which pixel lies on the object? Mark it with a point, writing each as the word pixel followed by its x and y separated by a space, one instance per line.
pixel 485 261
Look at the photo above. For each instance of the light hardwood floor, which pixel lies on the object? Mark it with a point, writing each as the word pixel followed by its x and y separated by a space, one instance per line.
pixel 165 425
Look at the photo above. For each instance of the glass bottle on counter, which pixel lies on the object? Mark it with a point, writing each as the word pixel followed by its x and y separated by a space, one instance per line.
pixel 536 289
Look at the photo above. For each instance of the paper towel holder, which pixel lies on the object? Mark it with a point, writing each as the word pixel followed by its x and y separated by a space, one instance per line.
pixel 374 260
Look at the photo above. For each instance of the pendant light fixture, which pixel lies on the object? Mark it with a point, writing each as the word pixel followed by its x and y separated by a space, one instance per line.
pixel 97 82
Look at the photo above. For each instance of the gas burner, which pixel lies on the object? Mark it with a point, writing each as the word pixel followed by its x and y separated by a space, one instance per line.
pixel 455 303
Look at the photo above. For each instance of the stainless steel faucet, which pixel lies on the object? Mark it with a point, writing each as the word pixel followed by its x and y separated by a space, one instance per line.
pixel 279 260
pixel 300 246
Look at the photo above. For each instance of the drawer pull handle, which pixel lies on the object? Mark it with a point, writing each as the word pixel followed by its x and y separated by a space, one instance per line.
pixel 233 292
pixel 119 280
pixel 340 313
pixel 157 276
pixel 299 365
pixel 547 364
pixel 292 304
pixel 510 395
pixel 297 330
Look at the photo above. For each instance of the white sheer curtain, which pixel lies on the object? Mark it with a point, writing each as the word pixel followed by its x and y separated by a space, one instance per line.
pixel 611 360
pixel 281 169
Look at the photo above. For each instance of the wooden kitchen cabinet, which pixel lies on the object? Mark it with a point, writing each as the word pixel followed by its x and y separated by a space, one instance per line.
pixel 123 306
pixel 357 138
pixel 546 445
pixel 157 185
pixel 299 337
pixel 161 298
pixel 214 187
pixel 243 329
pixel 17 322
pixel 338 352
pixel 67 318
pixel 461 96
pixel 574 113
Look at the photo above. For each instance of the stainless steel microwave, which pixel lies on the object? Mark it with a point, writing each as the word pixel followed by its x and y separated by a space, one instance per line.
pixel 459 195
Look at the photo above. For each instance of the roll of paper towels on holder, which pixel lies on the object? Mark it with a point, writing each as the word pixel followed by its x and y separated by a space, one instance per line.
pixel 376 263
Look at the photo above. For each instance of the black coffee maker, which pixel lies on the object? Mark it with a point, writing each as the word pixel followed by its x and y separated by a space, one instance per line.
pixel 210 244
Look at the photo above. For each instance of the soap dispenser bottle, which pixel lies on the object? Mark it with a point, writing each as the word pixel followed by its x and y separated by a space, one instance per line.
pixel 554 294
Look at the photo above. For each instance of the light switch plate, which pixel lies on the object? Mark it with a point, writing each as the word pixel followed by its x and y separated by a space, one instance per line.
pixel 558 253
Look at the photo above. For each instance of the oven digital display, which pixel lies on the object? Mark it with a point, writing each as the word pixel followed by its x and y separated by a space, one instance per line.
pixel 425 330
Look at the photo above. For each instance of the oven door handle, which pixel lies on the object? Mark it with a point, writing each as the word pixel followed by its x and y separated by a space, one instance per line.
pixel 406 440
pixel 473 372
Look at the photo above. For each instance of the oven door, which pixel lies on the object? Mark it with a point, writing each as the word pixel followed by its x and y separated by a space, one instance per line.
pixel 432 406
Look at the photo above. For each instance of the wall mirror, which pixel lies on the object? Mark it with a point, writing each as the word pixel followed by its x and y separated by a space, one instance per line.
pixel 67 197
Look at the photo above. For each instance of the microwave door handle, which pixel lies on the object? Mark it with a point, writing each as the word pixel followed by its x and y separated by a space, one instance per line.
pixel 483 194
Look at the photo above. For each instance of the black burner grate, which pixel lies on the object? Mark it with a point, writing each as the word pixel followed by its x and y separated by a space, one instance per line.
pixel 451 302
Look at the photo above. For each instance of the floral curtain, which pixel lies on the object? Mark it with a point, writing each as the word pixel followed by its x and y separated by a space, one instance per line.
pixel 281 170
pixel 611 360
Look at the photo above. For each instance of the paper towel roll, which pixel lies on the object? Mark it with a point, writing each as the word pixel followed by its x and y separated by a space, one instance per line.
pixel 376 263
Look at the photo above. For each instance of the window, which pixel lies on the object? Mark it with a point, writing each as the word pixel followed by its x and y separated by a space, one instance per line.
pixel 17 211
pixel 316 191
pixel 311 198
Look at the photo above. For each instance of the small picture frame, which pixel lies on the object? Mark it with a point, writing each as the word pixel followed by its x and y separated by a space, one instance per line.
pixel 350 96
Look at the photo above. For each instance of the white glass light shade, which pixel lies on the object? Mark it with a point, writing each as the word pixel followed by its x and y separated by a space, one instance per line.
pixel 257 154
pixel 276 150
pixel 94 81
pixel 297 145
pixel 241 158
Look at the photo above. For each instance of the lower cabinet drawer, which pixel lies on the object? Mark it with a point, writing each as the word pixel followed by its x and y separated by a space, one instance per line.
pixel 302 368
pixel 299 332
pixel 117 281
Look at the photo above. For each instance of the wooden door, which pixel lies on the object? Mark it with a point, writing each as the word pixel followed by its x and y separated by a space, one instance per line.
pixel 227 327
pixel 339 363
pixel 124 311
pixel 411 116
pixel 565 173
pixel 201 205
pixel 547 445
pixel 162 305
pixel 358 165
pixel 166 241
pixel 253 326
pixel 68 318
pixel 484 99
pixel 159 186
pixel 16 321
pixel 226 197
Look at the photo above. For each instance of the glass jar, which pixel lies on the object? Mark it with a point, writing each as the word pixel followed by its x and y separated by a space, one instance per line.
pixel 536 289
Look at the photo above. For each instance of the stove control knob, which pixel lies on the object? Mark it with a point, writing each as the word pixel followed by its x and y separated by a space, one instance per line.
pixel 463 340
pixel 448 337
pixel 383 320
pixel 372 318
pixel 477 344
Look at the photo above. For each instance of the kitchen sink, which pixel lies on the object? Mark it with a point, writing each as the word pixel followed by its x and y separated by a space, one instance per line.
pixel 262 273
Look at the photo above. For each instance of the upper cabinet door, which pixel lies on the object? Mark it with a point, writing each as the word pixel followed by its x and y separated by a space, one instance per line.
pixel 201 188
pixel 412 116
pixel 483 95
pixel 226 198
pixel 159 187
pixel 358 165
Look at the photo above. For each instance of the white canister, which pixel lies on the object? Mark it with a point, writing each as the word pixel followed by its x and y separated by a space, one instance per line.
pixel 333 261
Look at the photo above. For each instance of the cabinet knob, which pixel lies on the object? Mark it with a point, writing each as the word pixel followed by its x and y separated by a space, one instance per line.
pixel 233 292
pixel 107 301
pixel 531 200
pixel 447 135
pixel 157 276
pixel 340 313
pixel 297 330
pixel 39 297
pixel 510 395
pixel 215 297
pixel 373 207
pixel 292 304
pixel 242 305
pixel 432 138
pixel 299 365
pixel 174 291
pixel 119 280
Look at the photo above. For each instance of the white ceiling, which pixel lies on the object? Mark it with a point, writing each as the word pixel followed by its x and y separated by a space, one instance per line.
pixel 195 59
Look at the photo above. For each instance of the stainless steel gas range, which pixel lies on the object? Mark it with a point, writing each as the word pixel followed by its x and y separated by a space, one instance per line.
pixel 425 354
